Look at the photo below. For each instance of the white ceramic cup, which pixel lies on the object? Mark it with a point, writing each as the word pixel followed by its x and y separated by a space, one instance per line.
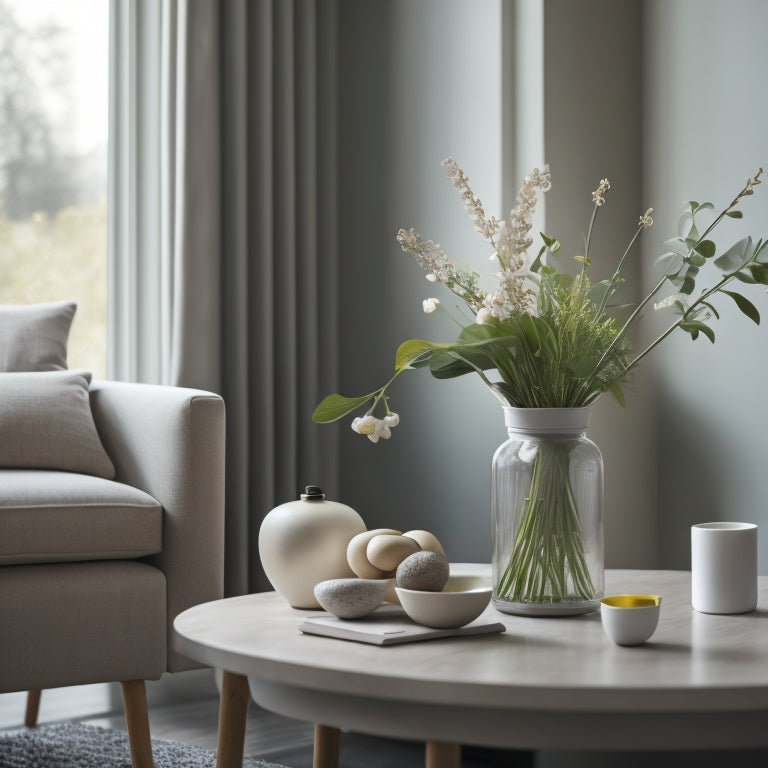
pixel 724 567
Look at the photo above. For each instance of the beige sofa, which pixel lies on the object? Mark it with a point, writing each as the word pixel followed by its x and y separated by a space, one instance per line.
pixel 94 569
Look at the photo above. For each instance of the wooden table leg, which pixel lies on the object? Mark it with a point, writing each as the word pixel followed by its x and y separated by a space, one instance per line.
pixel 137 718
pixel 327 741
pixel 233 711
pixel 33 708
pixel 442 755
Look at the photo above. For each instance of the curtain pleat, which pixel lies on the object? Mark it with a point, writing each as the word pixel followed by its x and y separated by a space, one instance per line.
pixel 278 347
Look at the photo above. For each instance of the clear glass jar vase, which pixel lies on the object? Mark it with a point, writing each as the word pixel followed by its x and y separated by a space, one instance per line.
pixel 547 508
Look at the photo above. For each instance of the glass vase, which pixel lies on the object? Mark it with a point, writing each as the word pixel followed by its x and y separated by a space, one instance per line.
pixel 547 508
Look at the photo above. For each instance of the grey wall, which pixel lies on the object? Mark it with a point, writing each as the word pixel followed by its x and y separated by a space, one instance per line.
pixel 419 81
pixel 705 108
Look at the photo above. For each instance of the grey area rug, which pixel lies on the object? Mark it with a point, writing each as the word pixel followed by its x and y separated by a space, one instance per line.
pixel 74 745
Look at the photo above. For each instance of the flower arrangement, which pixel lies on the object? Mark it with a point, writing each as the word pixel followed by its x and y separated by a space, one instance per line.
pixel 554 338
pixel 545 338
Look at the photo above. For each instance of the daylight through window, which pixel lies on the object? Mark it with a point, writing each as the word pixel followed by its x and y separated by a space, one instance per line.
pixel 54 61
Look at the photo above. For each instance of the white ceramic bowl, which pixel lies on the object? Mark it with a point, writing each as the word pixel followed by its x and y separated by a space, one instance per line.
pixel 460 602
pixel 630 619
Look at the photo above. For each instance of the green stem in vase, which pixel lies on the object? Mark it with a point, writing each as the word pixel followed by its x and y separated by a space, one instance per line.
pixel 548 562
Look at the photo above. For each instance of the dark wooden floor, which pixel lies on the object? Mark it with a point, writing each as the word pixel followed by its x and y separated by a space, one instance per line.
pixel 185 707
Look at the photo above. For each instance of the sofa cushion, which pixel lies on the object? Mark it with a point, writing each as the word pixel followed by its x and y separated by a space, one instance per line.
pixel 48 516
pixel 34 337
pixel 46 423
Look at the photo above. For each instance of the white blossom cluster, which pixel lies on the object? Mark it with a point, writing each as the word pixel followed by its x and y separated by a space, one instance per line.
pixel 487 227
pixel 512 294
pixel 375 429
pixel 510 240
pixel 431 257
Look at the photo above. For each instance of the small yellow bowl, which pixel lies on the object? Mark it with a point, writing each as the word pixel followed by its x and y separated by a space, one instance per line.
pixel 630 619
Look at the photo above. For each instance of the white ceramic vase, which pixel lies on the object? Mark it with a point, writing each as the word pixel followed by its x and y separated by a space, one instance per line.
pixel 304 542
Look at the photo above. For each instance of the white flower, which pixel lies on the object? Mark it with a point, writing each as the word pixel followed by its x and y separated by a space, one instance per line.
pixel 432 277
pixel 597 195
pixel 365 426
pixel 668 302
pixel 392 419
pixel 645 220
pixel 482 315
pixel 430 305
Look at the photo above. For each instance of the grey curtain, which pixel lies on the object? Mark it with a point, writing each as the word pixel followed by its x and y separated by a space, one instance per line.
pixel 278 303
pixel 238 278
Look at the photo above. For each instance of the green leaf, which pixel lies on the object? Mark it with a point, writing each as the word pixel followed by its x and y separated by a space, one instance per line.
pixel 736 256
pixel 761 251
pixel 670 263
pixel 531 332
pixel 735 214
pixel 552 243
pixel 445 365
pixel 618 393
pixel 694 327
pixel 703 207
pixel 335 406
pixel 688 285
pixel 759 273
pixel 706 248
pixel 745 305
pixel 746 277
pixel 409 350
pixel 711 308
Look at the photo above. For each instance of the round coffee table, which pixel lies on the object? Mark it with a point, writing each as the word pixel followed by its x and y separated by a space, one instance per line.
pixel 557 683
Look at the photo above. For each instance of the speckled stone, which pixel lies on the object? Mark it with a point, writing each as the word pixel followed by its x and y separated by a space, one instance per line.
pixel 351 598
pixel 427 571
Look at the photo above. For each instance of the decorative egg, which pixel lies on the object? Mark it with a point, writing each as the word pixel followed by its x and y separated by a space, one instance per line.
pixel 357 555
pixel 386 551
pixel 426 540
pixel 426 571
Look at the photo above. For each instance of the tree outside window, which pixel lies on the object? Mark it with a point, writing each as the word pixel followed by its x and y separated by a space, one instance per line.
pixel 53 163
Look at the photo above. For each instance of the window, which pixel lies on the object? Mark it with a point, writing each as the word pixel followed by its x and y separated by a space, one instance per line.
pixel 54 61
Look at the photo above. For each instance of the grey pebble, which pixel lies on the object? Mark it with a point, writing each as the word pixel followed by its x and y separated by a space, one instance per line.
pixel 351 598
pixel 426 571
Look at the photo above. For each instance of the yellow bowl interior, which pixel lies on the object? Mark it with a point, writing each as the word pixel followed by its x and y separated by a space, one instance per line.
pixel 631 601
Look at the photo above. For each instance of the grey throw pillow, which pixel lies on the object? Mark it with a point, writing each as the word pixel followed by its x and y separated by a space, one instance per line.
pixel 46 423
pixel 34 337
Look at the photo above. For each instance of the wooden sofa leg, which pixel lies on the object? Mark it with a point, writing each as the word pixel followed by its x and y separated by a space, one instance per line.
pixel 443 755
pixel 137 717
pixel 33 708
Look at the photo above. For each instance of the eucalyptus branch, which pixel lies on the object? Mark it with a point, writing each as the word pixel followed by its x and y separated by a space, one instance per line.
pixel 683 319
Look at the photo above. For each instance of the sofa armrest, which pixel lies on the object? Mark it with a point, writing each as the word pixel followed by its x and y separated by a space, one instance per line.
pixel 169 442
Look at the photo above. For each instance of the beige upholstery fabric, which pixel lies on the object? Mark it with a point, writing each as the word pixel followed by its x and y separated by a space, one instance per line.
pixel 68 623
pixel 48 516
pixel 169 442
pixel 46 423
pixel 34 337
pixel 75 623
